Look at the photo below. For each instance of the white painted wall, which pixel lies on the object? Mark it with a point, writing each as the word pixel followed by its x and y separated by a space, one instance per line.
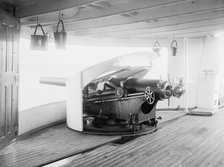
pixel 204 55
pixel 221 73
pixel 209 70
pixel 177 70
pixel 36 117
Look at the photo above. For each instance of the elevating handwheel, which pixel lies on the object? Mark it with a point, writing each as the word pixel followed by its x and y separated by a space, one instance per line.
pixel 149 95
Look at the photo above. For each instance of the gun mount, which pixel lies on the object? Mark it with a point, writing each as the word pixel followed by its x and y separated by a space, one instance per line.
pixel 124 103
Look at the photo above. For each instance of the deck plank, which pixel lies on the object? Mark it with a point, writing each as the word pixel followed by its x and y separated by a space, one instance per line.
pixel 49 145
pixel 189 141
pixel 57 142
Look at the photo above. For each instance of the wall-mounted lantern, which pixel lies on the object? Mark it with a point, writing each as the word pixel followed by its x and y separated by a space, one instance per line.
pixel 60 38
pixel 156 48
pixel 39 42
pixel 173 47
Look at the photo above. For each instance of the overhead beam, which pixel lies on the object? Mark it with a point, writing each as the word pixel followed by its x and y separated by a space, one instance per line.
pixel 183 27
pixel 161 22
pixel 150 16
pixel 117 9
pixel 202 30
pixel 46 6
pixel 74 40
pixel 194 34
pixel 165 28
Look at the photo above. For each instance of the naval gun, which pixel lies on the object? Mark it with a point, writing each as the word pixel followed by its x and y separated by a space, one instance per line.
pixel 124 102
pixel 115 96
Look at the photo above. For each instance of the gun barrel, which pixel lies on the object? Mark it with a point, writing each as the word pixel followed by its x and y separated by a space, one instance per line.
pixel 53 81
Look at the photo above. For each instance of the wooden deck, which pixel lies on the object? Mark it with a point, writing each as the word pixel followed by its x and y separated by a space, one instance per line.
pixel 49 145
pixel 191 141
pixel 59 142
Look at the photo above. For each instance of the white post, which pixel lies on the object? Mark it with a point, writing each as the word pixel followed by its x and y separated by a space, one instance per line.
pixel 186 73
